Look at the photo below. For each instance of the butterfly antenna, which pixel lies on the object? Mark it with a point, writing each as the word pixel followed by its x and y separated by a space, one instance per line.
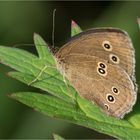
pixel 53 30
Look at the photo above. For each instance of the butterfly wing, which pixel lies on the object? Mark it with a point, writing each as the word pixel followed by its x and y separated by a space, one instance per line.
pixel 108 43
pixel 98 87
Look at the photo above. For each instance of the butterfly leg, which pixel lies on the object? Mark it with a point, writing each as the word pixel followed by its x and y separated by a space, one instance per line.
pixel 67 86
pixel 64 79
pixel 40 73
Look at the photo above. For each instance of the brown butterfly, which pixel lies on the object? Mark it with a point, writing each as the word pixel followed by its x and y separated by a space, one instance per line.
pixel 100 64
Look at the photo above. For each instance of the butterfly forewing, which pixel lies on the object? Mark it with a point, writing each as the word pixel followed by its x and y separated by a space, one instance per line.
pixel 92 43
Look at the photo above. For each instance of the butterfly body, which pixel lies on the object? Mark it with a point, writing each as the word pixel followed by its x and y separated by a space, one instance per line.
pixel 100 65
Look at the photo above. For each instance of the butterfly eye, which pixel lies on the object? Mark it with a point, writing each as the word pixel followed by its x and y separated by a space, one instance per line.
pixel 115 90
pixel 107 46
pixel 114 58
pixel 110 98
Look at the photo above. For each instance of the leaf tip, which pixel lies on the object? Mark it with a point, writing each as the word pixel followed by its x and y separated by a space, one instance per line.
pixel 12 95
pixel 54 135
pixel 57 137
pixel 35 34
pixel 75 28
pixel 73 23
pixel 8 74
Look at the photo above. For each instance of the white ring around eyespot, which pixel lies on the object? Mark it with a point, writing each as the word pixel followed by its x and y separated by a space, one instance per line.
pixel 108 100
pixel 107 42
pixel 118 60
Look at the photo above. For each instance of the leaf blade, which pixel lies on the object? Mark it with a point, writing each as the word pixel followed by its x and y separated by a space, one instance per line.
pixel 46 85
pixel 57 137
pixel 57 108
pixel 43 49
pixel 17 58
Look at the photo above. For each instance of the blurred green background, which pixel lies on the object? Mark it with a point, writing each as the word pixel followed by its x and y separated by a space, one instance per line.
pixel 18 22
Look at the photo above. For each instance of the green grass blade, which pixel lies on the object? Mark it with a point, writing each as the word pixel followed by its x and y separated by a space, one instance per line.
pixel 75 29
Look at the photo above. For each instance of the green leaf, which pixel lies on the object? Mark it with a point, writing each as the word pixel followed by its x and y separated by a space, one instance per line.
pixel 90 109
pixel 46 104
pixel 17 59
pixel 63 102
pixel 57 137
pixel 75 29
pixel 50 84
pixel 43 51
pixel 57 108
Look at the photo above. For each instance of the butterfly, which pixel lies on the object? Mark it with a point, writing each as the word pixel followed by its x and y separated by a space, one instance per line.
pixel 100 64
